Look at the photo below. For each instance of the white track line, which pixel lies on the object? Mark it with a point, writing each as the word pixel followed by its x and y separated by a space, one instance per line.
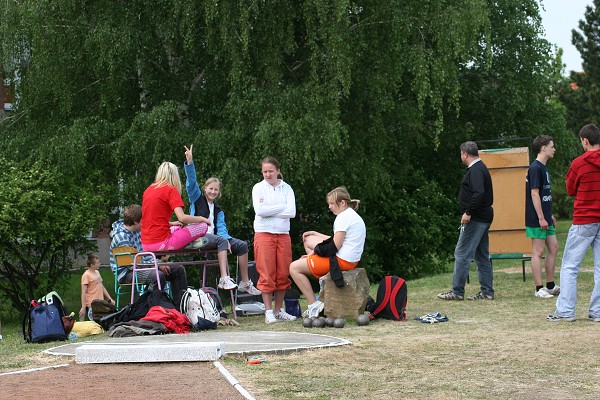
pixel 234 382
pixel 33 369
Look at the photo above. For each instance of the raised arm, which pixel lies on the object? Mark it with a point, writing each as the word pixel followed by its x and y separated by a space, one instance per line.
pixel 191 182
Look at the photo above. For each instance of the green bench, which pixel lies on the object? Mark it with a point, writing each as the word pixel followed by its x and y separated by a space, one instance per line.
pixel 512 256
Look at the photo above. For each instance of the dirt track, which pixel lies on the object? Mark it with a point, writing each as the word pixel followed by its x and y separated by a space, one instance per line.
pixel 198 380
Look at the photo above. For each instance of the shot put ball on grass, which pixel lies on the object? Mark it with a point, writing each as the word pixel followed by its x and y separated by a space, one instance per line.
pixel 318 323
pixel 339 323
pixel 363 320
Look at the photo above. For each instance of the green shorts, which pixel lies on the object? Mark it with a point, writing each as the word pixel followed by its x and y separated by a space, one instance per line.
pixel 535 232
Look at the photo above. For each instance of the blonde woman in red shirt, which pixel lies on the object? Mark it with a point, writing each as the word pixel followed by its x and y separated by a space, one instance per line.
pixel 160 201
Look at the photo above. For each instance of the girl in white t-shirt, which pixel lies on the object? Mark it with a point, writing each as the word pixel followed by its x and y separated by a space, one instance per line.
pixel 349 233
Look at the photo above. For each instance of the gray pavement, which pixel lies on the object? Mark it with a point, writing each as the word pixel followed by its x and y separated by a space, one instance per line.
pixel 241 344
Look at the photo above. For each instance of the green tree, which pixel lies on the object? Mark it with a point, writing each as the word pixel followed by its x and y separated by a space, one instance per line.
pixel 44 221
pixel 372 95
pixel 580 93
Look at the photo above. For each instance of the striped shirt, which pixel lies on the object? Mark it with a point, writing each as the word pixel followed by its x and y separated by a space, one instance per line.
pixel 123 237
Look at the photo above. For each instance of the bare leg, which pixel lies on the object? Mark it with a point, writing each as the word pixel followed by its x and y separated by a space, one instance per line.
pixel 536 260
pixel 279 296
pixel 243 265
pixel 299 272
pixel 552 246
pixel 223 266
pixel 268 300
pixel 311 241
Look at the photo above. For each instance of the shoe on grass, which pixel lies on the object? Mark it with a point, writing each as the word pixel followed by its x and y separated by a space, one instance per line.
pixel 555 291
pixel 543 293
pixel 248 287
pixel 284 317
pixel 270 317
pixel 432 318
pixel 227 283
pixel 426 316
pixel 594 319
pixel 450 295
pixel 481 296
pixel 556 318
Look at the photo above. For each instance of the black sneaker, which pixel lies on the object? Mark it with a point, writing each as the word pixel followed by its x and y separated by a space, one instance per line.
pixel 450 295
pixel 481 296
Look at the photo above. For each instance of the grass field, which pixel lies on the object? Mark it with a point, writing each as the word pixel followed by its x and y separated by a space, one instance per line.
pixel 503 348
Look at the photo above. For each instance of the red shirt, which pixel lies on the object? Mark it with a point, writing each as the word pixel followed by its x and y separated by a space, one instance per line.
pixel 158 204
pixel 583 182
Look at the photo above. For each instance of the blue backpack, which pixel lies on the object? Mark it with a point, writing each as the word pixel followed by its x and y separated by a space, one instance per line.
pixel 43 322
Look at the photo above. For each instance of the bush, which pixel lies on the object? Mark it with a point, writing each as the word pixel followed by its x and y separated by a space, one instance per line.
pixel 409 230
pixel 44 220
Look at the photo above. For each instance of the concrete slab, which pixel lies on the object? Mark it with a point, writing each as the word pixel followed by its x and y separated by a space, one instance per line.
pixel 240 344
pixel 103 353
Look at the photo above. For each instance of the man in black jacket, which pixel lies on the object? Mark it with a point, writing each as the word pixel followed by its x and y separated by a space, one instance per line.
pixel 475 200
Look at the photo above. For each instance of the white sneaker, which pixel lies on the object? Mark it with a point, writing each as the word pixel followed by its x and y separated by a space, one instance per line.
pixel 283 316
pixel 314 309
pixel 249 288
pixel 270 317
pixel 227 283
pixel 555 291
pixel 543 293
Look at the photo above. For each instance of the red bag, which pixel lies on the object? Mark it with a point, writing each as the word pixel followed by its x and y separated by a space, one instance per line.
pixel 172 319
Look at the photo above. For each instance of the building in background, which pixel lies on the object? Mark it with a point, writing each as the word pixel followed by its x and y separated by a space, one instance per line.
pixel 6 100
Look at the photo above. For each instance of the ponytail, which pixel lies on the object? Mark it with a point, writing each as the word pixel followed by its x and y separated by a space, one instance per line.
pixel 340 194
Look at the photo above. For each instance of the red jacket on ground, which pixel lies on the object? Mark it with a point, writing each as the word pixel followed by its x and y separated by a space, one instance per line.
pixel 172 319
pixel 583 182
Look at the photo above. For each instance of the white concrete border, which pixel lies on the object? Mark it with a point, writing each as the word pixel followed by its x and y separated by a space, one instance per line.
pixel 234 382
